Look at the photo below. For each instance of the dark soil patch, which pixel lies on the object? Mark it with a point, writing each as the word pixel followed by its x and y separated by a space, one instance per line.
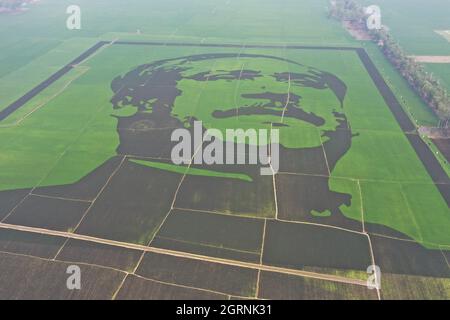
pixel 148 144
pixel 10 199
pixel 133 204
pixel 27 278
pixel 47 213
pixel 135 288
pixel 228 195
pixel 230 237
pixel 303 161
pixel 301 245
pixel 199 274
pixel 299 195
pixel 210 251
pixel 27 243
pixel 408 258
pixel 100 254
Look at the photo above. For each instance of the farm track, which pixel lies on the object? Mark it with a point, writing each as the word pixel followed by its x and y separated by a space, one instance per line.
pixel 187 255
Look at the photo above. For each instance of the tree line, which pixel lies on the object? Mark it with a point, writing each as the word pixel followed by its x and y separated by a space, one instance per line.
pixel 424 83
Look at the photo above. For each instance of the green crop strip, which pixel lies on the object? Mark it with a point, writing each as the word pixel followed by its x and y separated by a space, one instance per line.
pixel 191 171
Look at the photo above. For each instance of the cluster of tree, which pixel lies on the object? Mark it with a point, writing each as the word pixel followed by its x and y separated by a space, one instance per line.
pixel 423 82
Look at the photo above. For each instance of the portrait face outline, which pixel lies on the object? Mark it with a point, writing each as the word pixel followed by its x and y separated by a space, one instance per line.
pixel 252 92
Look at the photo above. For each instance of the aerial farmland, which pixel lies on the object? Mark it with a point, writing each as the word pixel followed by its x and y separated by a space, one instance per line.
pixel 222 149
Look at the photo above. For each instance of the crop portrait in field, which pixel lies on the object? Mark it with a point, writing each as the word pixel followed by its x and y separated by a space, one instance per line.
pixel 253 91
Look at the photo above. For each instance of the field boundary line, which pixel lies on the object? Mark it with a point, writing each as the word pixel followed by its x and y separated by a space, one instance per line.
pixel 288 100
pixel 362 179
pixel 205 245
pixel 186 255
pixel 59 198
pixel 136 157
pixel 60 249
pixel 391 237
pixel 362 207
pixel 261 259
pixel 446 260
pixel 410 240
pixel 324 153
pixel 114 295
pixel 238 83
pixel 374 264
pixel 237 215
pixel 413 217
pixel 145 130
pixel 322 225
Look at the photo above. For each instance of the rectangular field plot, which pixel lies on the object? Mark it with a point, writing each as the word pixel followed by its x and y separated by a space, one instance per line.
pixel 404 287
pixel 32 244
pixel 408 258
pixel 415 210
pixel 48 213
pixel 137 288
pixel 211 234
pixel 199 274
pixel 34 278
pixel 302 246
pixel 99 254
pixel 307 199
pixel 230 196
pixel 277 286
